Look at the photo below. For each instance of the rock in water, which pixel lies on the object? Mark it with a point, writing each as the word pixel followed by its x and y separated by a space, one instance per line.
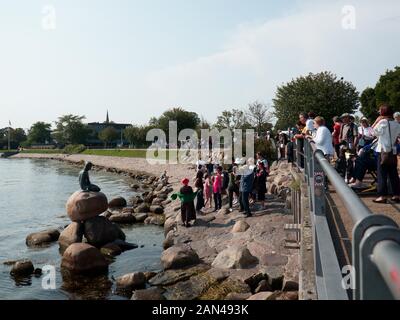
pixel 82 258
pixel 42 238
pixel 100 231
pixel 71 234
pixel 123 218
pixel 131 281
pixel 22 268
pixel 234 258
pixel 82 205
pixel 179 256
pixel 140 217
pixel 111 249
pixel 119 202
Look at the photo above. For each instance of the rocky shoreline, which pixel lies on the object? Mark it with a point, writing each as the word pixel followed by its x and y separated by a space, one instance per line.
pixel 223 256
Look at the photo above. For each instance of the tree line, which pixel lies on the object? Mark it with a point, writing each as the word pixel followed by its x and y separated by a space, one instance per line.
pixel 323 93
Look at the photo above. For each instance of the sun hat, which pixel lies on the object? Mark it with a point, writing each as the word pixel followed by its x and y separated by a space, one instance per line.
pixel 344 115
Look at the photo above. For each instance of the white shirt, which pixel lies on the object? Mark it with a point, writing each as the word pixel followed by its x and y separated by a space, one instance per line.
pixel 310 125
pixel 366 132
pixel 323 141
pixel 382 132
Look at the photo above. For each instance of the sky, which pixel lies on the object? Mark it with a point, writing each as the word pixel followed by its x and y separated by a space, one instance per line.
pixel 138 58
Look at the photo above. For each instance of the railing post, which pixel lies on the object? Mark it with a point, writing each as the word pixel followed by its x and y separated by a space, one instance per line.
pixel 359 231
pixel 373 285
pixel 318 187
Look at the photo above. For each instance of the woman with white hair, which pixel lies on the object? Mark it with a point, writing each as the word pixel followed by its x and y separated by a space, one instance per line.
pixel 396 116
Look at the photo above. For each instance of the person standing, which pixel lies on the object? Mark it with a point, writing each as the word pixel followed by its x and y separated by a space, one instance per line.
pixel 365 134
pixel 310 123
pixel 337 126
pixel 261 183
pixel 217 189
pixel 233 188
pixel 348 132
pixel 199 185
pixel 186 196
pixel 246 187
pixel 207 191
pixel 323 137
pixel 387 130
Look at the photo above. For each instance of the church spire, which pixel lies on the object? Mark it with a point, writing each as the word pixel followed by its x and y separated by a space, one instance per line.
pixel 107 118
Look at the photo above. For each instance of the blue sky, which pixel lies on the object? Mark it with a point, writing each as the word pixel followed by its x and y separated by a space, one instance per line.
pixel 138 58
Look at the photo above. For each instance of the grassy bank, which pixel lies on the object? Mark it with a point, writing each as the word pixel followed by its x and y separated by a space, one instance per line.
pixel 117 153
pixel 42 151
pixel 126 153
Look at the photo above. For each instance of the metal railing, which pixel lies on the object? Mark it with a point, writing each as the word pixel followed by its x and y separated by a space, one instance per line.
pixel 375 270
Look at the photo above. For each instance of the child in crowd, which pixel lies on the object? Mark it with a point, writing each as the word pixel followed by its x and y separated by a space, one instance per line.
pixel 217 189
pixel 207 191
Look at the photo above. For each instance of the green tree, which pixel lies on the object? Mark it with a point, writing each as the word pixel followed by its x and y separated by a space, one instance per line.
pixel 39 133
pixel 368 104
pixel 136 135
pixel 18 135
pixel 387 90
pixel 260 116
pixel 232 119
pixel 185 120
pixel 322 93
pixel 108 135
pixel 71 130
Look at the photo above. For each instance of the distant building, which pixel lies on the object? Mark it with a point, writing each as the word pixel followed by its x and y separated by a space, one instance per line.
pixel 97 127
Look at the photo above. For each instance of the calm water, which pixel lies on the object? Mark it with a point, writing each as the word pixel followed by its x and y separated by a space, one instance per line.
pixel 33 194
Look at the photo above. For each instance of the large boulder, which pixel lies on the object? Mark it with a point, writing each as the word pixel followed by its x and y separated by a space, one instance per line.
pixel 82 205
pixel 22 268
pixel 142 208
pixel 119 202
pixel 71 234
pixel 157 209
pixel 240 226
pixel 234 257
pixel 140 217
pixel 42 238
pixel 169 225
pixel 131 281
pixel 261 296
pixel 82 258
pixel 151 294
pixel 123 218
pixel 100 231
pixel 179 256
pixel 111 250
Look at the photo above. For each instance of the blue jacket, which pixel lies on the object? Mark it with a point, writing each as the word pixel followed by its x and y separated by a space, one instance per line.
pixel 246 183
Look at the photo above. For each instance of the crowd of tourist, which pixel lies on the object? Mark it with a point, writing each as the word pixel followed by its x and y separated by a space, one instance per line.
pixel 243 183
pixel 355 148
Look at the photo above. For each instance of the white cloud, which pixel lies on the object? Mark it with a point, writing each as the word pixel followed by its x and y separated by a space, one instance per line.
pixel 257 58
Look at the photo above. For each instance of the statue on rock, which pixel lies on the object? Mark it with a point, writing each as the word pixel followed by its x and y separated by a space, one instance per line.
pixel 84 180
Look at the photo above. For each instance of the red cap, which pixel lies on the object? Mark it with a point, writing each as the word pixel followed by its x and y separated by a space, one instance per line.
pixel 185 181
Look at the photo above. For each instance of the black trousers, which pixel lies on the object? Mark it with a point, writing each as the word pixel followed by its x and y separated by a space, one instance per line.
pixel 244 202
pixel 200 200
pixel 385 173
pixel 231 191
pixel 218 201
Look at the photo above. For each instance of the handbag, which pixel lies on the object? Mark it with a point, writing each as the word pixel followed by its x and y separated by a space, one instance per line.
pixel 389 158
